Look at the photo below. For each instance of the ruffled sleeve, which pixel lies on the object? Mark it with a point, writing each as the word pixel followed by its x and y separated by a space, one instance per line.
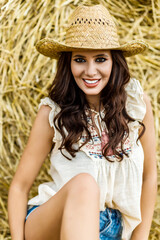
pixel 135 105
pixel 55 109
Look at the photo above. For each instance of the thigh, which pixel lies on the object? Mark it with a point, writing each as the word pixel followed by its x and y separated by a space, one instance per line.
pixel 45 221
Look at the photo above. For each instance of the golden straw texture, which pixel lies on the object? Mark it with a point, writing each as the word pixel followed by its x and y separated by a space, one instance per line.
pixel 89 27
pixel 25 75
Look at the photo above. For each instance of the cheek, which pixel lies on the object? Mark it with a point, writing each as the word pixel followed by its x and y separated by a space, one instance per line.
pixel 108 69
pixel 76 70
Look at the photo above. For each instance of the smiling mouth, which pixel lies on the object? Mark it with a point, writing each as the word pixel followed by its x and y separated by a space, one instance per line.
pixel 91 81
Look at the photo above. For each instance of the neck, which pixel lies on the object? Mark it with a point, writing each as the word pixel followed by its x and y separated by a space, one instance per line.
pixel 94 103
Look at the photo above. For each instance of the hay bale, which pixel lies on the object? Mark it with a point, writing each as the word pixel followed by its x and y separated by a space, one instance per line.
pixel 25 75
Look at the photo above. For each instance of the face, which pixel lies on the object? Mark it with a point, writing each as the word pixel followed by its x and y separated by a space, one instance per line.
pixel 91 71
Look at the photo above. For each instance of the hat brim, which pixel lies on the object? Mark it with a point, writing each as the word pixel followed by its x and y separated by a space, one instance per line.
pixel 52 48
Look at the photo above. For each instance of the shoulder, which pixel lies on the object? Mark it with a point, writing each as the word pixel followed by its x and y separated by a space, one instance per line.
pixel 148 121
pixel 134 86
pixel 148 140
pixel 41 123
pixel 135 103
pixel 49 109
pixel 49 102
pixel 149 114
pixel 43 113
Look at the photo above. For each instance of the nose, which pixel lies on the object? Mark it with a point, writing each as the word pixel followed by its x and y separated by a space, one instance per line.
pixel 90 70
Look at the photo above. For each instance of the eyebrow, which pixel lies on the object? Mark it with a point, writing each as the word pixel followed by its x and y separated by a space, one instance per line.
pixel 99 55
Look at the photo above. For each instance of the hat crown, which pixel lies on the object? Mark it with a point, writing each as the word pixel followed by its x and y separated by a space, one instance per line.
pixel 96 11
pixel 91 26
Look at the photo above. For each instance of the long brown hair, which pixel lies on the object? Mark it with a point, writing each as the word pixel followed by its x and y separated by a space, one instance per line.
pixel 72 101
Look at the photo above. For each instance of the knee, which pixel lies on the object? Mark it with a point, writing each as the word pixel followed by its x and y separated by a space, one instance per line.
pixel 85 185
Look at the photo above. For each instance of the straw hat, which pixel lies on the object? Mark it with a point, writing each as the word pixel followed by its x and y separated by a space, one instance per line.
pixel 89 28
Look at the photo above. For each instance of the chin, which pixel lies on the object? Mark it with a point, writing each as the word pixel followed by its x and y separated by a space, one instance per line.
pixel 92 92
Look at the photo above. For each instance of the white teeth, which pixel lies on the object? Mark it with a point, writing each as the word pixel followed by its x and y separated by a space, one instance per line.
pixel 88 81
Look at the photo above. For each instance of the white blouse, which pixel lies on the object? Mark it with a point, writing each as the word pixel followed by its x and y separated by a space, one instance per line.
pixel 120 183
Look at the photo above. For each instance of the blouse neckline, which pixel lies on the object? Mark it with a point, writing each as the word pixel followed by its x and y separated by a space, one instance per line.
pixel 94 111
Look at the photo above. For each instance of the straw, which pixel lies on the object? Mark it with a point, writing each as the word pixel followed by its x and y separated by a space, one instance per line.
pixel 26 75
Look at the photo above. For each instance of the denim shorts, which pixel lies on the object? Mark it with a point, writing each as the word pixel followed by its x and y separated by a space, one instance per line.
pixel 30 209
pixel 110 223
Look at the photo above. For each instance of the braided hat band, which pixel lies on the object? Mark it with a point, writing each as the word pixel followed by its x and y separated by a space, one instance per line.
pixel 89 28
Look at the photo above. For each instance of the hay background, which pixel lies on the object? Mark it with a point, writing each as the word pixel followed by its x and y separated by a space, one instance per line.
pixel 25 75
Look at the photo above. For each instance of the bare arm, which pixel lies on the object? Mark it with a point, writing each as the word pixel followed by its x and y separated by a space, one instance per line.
pixel 149 187
pixel 37 149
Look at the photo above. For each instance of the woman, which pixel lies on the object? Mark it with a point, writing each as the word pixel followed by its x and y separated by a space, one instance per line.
pixel 99 126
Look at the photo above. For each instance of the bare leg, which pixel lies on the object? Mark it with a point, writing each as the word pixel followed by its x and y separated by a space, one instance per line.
pixel 72 213
pixel 81 212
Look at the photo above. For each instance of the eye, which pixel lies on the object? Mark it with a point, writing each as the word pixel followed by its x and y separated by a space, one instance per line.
pixel 101 59
pixel 79 60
